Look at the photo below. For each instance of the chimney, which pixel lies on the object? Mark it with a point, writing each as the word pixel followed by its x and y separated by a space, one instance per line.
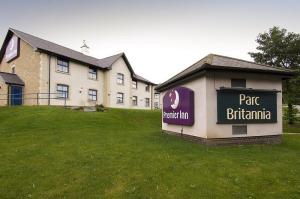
pixel 84 48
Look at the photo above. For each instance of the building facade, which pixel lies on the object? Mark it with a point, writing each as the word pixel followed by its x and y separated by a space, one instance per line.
pixel 223 100
pixel 50 74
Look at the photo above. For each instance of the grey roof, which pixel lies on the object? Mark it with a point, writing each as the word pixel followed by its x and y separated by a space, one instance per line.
pixel 219 62
pixel 10 78
pixel 50 47
pixel 140 78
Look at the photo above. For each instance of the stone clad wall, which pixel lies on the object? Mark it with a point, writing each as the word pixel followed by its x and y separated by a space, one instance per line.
pixel 3 93
pixel 27 67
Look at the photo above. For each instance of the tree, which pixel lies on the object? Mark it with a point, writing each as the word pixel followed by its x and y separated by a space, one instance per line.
pixel 280 48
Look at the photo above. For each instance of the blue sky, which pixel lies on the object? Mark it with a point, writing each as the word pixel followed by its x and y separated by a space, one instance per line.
pixel 160 38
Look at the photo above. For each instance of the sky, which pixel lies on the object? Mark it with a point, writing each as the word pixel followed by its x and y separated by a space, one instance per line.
pixel 160 38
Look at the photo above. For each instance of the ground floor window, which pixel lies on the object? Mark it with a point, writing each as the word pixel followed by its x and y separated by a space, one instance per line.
pixel 147 104
pixel 120 98
pixel 62 91
pixel 134 101
pixel 156 104
pixel 92 95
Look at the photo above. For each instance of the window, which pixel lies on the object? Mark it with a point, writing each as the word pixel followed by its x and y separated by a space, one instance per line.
pixel 238 83
pixel 120 98
pixel 156 95
pixel 62 65
pixel 92 73
pixel 147 104
pixel 62 90
pixel 120 78
pixel 134 100
pixel 134 84
pixel 156 104
pixel 147 88
pixel 92 95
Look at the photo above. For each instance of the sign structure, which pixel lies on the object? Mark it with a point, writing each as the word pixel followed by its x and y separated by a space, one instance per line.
pixel 240 106
pixel 12 49
pixel 178 106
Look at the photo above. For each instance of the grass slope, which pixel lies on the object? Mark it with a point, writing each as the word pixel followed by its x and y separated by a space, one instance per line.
pixel 57 153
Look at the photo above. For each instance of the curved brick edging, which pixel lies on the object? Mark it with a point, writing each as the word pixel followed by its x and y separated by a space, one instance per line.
pixel 270 139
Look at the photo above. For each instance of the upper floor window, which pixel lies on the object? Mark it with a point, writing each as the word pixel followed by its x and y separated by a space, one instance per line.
pixel 147 102
pixel 156 95
pixel 92 95
pixel 120 78
pixel 92 73
pixel 134 100
pixel 238 83
pixel 62 65
pixel 147 88
pixel 134 84
pixel 62 91
pixel 120 98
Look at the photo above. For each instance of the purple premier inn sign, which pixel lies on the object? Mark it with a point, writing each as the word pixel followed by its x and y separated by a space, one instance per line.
pixel 178 106
pixel 12 49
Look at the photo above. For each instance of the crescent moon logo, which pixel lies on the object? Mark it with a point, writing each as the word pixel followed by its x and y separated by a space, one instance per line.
pixel 176 100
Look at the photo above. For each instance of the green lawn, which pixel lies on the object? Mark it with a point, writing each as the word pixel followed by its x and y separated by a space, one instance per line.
pixel 291 128
pixel 57 153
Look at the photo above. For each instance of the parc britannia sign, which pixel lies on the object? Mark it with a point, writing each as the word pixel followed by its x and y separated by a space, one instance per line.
pixel 12 49
pixel 178 106
pixel 237 106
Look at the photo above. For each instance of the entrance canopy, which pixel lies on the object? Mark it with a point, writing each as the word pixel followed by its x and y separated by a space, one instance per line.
pixel 10 78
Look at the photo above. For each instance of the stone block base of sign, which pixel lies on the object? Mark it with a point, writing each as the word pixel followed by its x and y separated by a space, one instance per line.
pixel 269 139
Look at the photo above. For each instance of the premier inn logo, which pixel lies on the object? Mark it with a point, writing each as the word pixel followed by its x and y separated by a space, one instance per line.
pixel 12 49
pixel 174 99
pixel 178 106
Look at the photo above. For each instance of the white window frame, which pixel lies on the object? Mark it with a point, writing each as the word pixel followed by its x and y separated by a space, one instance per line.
pixel 120 78
pixel 92 94
pixel 134 100
pixel 93 73
pixel 62 91
pixel 120 98
pixel 134 84
pixel 147 102
pixel 63 65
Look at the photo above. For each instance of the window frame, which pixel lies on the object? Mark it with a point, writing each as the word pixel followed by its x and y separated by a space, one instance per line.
pixel 147 102
pixel 147 88
pixel 92 96
pixel 121 80
pixel 136 84
pixel 60 66
pixel 134 100
pixel 93 75
pixel 118 98
pixel 59 92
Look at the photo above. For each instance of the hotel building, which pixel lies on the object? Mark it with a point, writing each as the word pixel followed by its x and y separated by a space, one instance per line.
pixel 35 71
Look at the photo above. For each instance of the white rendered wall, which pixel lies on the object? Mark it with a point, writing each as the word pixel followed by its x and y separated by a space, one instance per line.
pixel 255 81
pixel 77 79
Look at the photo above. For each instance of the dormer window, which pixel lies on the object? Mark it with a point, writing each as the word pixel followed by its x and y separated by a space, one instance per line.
pixel 92 73
pixel 62 65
